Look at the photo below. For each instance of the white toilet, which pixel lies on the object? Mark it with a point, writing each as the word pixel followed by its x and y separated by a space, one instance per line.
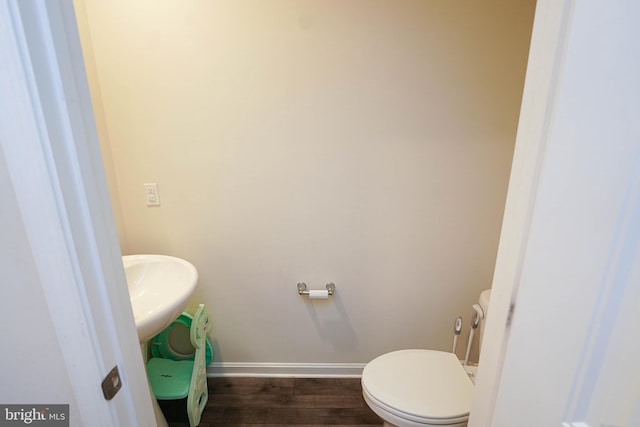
pixel 420 388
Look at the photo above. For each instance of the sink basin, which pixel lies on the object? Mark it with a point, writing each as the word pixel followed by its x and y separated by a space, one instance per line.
pixel 159 288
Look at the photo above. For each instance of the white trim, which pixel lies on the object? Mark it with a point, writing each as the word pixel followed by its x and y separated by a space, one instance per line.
pixel 29 164
pixel 286 370
pixel 552 22
pixel 611 295
pixel 48 138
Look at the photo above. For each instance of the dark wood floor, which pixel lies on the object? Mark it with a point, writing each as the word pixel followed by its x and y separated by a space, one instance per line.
pixel 254 402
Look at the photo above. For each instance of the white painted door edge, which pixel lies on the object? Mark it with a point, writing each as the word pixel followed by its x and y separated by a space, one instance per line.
pixel 551 24
pixel 48 137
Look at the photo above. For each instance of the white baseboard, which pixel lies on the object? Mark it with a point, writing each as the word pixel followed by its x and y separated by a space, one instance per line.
pixel 285 370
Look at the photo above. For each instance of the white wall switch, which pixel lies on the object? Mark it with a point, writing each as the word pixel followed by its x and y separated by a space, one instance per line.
pixel 151 193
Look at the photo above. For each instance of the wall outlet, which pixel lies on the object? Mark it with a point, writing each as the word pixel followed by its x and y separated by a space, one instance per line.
pixel 151 194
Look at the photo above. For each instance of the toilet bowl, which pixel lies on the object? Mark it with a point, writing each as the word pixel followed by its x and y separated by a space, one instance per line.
pixel 420 388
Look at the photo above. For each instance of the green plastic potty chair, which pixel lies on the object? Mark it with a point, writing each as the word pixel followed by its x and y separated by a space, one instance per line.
pixel 177 379
pixel 174 341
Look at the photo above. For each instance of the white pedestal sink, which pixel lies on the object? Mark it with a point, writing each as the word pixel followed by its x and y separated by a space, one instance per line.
pixel 159 288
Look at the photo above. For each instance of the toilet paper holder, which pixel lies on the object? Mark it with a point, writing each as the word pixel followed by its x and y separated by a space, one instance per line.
pixel 302 288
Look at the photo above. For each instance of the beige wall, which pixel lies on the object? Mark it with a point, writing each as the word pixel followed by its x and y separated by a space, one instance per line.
pixel 101 125
pixel 367 143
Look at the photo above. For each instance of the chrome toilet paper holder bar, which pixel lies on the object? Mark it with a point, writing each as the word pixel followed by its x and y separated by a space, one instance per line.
pixel 302 288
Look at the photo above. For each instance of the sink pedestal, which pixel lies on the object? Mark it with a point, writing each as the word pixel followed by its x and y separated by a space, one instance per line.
pixel 161 421
pixel 159 288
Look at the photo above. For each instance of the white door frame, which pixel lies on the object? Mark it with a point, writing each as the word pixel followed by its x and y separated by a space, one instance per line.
pixel 551 23
pixel 567 144
pixel 58 177
pixel 49 140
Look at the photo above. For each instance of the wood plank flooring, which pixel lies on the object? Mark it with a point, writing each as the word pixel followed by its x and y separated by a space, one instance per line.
pixel 267 402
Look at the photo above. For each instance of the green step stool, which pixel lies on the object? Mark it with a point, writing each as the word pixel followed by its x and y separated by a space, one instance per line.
pixel 177 379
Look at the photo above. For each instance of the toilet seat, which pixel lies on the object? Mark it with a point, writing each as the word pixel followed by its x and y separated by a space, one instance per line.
pixel 419 387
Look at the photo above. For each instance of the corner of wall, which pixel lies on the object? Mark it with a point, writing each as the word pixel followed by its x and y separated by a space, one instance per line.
pixel 101 125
